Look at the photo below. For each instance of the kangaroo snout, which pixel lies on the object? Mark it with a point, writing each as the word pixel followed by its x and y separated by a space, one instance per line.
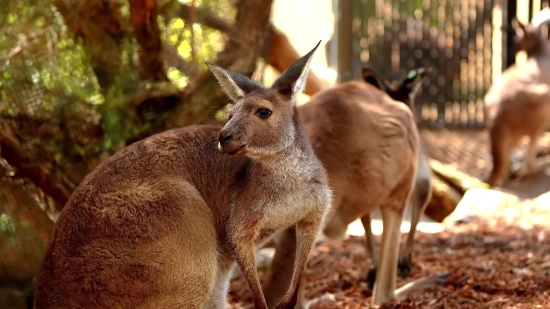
pixel 224 138
pixel 227 144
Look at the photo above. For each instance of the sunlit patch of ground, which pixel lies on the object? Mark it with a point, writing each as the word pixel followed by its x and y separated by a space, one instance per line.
pixel 498 259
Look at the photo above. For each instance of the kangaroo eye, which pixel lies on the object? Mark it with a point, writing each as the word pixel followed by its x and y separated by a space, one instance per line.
pixel 263 112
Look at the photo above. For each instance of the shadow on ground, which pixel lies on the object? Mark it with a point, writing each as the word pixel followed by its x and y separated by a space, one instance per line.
pixel 531 186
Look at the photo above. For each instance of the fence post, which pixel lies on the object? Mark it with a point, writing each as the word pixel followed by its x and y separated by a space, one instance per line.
pixel 345 41
pixel 511 12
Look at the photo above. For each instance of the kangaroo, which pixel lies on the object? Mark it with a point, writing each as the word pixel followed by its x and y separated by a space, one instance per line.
pixel 370 147
pixel 162 223
pixel 518 104
pixel 403 91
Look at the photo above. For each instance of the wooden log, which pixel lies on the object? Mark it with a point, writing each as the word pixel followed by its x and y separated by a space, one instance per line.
pixel 455 178
pixel 444 200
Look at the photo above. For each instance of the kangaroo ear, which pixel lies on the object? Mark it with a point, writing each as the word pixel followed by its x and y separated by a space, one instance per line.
pixel 518 27
pixel 235 85
pixel 414 80
pixel 293 80
pixel 370 77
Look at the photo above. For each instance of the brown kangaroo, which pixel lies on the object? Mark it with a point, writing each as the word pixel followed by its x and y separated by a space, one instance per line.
pixel 162 223
pixel 369 145
pixel 403 91
pixel 518 104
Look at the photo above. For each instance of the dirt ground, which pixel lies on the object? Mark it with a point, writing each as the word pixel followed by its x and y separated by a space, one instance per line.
pixel 500 259
pixel 499 266
pixel 468 150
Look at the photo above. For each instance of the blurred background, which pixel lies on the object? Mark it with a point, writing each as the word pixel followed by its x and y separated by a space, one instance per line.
pixel 82 79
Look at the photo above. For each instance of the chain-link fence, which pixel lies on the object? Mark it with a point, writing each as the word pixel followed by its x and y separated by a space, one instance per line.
pixel 466 42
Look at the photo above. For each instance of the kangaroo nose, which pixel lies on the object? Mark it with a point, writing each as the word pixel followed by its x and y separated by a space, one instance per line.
pixel 224 139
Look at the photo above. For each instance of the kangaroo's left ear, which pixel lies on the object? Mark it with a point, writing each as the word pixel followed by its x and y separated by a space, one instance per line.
pixel 293 80
pixel 519 27
pixel 369 76
pixel 235 85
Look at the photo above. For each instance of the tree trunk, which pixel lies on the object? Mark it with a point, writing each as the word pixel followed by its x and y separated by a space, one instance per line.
pixel 23 241
pixel 28 231
pixel 143 15
pixel 95 22
pixel 42 177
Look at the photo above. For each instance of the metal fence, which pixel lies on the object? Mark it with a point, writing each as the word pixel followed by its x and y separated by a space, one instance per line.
pixel 466 42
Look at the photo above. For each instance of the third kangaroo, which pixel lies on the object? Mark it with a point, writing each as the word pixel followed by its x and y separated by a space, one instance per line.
pixel 518 104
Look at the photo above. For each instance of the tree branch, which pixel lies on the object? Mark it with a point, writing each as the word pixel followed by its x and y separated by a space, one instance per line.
pixel 202 16
pixel 203 96
pixel 173 59
pixel 47 181
pixel 281 53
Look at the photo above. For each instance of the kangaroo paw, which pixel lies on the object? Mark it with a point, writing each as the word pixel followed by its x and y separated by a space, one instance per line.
pixel 371 277
pixel 404 266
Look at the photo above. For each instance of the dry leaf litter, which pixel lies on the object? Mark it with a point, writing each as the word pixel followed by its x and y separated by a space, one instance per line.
pixel 498 258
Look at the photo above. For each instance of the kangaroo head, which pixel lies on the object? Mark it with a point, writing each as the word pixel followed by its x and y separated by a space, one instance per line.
pixel 403 91
pixel 263 120
pixel 528 36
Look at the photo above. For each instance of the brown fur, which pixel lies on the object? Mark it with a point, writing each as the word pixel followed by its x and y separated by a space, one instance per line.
pixel 162 223
pixel 518 104
pixel 369 145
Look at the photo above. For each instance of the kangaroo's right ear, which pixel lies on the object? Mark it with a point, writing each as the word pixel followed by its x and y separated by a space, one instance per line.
pixel 235 85
pixel 293 79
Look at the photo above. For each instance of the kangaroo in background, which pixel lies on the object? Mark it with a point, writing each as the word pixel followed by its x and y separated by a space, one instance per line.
pixel 370 147
pixel 402 91
pixel 518 104
pixel 162 223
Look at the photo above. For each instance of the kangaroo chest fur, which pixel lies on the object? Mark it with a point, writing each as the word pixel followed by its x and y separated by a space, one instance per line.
pixel 276 197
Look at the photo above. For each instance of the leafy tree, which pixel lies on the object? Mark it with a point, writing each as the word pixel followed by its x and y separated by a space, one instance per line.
pixel 81 79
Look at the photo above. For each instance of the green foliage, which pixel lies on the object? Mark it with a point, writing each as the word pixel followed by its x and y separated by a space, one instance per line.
pixel 207 42
pixel 46 74
pixel 7 227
